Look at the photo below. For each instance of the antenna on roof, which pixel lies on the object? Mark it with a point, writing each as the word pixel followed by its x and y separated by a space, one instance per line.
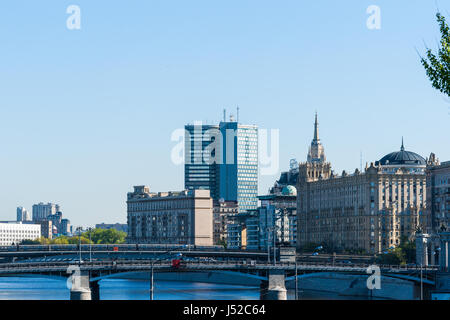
pixel 224 114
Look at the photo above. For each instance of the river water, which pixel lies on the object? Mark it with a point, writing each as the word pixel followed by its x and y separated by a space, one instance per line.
pixel 36 288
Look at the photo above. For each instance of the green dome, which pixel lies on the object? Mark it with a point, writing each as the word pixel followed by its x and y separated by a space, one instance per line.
pixel 289 191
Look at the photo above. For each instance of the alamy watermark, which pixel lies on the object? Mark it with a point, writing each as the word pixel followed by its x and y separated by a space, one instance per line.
pixel 73 22
pixel 374 20
pixel 374 280
pixel 204 145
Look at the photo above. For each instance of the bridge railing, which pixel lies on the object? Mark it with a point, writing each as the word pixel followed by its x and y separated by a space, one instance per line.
pixel 207 262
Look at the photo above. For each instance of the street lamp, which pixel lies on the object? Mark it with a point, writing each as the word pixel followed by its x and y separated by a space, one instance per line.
pixel 272 229
pixel 79 242
pixel 151 273
pixel 90 245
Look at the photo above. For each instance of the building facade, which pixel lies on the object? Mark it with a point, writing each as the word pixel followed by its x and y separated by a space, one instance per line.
pixel 13 233
pixel 438 195
pixel 223 159
pixel 184 217
pixel 368 211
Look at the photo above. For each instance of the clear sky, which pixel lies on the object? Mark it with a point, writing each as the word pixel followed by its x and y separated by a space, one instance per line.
pixel 86 114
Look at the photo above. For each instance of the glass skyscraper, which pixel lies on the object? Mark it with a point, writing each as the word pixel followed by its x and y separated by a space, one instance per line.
pixel 223 159
pixel 200 171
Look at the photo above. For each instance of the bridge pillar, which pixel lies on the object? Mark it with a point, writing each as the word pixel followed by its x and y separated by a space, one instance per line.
pixel 80 294
pixel 95 290
pixel 80 289
pixel 274 288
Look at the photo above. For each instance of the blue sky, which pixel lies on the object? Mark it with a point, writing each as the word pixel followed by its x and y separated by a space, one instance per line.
pixel 86 114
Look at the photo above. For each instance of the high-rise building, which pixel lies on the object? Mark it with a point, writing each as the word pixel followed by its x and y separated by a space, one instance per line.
pixel 200 168
pixel 41 211
pixel 223 159
pixel 23 214
pixel 65 227
pixel 238 170
pixel 367 211
pixel 56 220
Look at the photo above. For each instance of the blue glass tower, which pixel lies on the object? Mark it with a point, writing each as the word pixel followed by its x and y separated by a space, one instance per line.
pixel 230 169
pixel 238 171
pixel 199 171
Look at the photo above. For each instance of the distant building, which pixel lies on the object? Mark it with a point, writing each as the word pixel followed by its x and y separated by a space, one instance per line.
pixel 252 225
pixel 116 226
pixel 238 171
pixel 41 211
pixel 56 220
pixel 201 172
pixel 66 228
pixel 12 233
pixel 23 214
pixel 223 159
pixel 438 194
pixel 234 236
pixel 287 179
pixel 184 217
pixel 279 209
pixel 274 222
pixel 221 211
pixel 46 228
pixel 365 211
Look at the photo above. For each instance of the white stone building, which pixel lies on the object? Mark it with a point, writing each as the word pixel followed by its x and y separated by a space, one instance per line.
pixel 12 233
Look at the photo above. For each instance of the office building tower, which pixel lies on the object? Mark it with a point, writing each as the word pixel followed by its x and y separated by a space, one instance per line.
pixel 223 159
pixel 23 214
pixel 41 211
pixel 200 169
pixel 238 168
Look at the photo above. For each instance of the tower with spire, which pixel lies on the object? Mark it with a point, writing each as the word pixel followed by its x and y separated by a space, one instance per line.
pixel 316 151
pixel 315 167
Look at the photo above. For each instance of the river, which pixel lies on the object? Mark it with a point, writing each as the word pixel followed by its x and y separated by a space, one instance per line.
pixel 37 288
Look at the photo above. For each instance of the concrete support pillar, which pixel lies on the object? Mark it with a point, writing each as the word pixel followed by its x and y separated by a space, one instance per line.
pixel 80 294
pixel 274 288
pixel 95 290
pixel 80 289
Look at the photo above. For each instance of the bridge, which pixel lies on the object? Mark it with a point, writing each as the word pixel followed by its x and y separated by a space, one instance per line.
pixel 85 276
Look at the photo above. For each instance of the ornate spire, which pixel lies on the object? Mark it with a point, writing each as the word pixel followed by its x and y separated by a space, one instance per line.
pixel 316 152
pixel 316 129
pixel 402 148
